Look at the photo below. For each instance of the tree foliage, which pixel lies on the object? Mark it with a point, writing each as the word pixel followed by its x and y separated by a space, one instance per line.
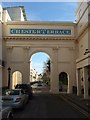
pixel 46 71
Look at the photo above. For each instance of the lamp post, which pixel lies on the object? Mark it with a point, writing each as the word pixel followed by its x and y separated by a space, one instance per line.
pixel 9 71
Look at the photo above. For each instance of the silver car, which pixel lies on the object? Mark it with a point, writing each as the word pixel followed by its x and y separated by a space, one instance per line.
pixel 6 113
pixel 16 98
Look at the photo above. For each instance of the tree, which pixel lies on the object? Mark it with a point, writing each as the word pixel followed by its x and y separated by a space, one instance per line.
pixel 46 71
pixel 48 65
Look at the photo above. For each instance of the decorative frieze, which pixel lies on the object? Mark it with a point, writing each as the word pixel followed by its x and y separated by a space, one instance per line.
pixel 70 48
pixel 26 47
pixel 39 38
pixel 55 48
pixel 9 47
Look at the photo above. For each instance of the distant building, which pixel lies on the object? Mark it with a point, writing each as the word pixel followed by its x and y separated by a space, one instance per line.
pixel 40 77
pixel 14 14
pixel 33 74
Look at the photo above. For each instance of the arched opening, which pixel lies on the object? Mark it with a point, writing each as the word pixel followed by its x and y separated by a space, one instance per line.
pixel 40 68
pixel 16 78
pixel 82 80
pixel 63 82
pixel 89 80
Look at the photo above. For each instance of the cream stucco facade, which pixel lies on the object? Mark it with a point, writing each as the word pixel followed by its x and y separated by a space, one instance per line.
pixel 83 43
pixel 66 50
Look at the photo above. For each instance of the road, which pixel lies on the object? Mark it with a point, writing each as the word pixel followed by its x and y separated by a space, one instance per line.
pixel 45 105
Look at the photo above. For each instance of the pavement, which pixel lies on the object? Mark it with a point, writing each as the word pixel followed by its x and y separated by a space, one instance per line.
pixel 83 105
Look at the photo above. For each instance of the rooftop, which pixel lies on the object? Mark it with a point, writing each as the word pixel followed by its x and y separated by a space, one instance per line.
pixel 23 10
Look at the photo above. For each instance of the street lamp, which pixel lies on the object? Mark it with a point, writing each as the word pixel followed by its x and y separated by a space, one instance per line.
pixel 9 71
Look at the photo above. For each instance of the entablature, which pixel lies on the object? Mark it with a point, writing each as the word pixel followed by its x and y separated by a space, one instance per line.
pixel 38 38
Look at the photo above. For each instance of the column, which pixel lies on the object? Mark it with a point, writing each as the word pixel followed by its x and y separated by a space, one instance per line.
pixel 69 89
pixel 78 82
pixel 54 73
pixel 26 65
pixel 85 78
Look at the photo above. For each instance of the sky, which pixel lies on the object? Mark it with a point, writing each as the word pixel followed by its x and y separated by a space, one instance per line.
pixel 45 11
pixel 38 61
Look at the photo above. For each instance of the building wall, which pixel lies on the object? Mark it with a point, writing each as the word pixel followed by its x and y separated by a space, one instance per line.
pixel 38 25
pixel 83 49
pixel 61 51
pixel 82 34
pixel 82 16
pixel 83 44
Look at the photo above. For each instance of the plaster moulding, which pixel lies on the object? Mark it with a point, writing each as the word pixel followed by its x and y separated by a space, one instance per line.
pixel 39 38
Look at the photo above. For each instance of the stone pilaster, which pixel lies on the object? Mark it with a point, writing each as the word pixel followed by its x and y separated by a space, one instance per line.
pixel 26 65
pixel 54 72
pixel 85 78
pixel 78 82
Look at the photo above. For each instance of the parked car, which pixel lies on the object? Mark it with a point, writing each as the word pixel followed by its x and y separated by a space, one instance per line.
pixel 16 98
pixel 38 84
pixel 26 87
pixel 6 113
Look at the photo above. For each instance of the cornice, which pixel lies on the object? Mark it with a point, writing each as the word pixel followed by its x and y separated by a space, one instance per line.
pixel 51 23
pixel 83 58
pixel 82 31
pixel 78 7
pixel 38 38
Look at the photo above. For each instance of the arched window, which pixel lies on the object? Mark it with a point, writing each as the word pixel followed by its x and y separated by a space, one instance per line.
pixel 63 81
pixel 16 78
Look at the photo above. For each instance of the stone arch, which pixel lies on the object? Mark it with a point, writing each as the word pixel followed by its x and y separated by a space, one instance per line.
pixel 16 78
pixel 47 52
pixel 40 50
pixel 63 81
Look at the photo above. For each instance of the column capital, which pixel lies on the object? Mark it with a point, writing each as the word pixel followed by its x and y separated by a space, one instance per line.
pixel 55 48
pixel 70 48
pixel 26 47
pixel 9 47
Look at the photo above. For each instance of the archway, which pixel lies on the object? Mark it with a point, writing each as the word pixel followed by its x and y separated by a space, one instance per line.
pixel 89 80
pixel 40 67
pixel 63 82
pixel 16 78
